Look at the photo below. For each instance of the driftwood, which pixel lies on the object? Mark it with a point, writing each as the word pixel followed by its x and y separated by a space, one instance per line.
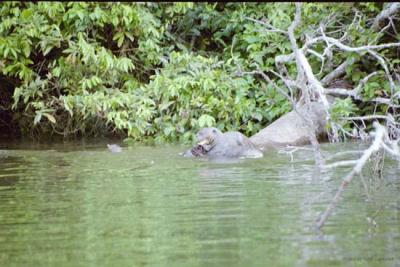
pixel 290 129
pixel 311 113
pixel 381 141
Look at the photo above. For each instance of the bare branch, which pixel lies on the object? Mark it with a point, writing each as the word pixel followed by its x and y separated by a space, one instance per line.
pixel 386 69
pixel 381 31
pixel 349 48
pixel 364 81
pixel 341 92
pixel 340 70
pixel 289 83
pixel 305 73
pixel 369 117
pixel 352 93
pixel 340 164
pixel 344 153
pixel 390 10
pixel 382 100
pixel 318 55
pixel 291 149
pixel 284 58
pixel 342 67
pixel 312 88
pixel 270 28
pixel 381 136
pixel 268 80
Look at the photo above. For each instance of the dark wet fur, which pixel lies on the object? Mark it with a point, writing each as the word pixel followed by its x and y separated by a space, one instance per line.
pixel 198 151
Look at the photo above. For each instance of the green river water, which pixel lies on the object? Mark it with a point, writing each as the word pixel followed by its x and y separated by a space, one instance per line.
pixel 78 204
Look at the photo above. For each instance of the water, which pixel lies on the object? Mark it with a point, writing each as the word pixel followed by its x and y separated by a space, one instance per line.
pixel 80 205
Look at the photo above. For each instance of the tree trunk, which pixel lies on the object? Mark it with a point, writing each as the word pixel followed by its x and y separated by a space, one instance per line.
pixel 290 128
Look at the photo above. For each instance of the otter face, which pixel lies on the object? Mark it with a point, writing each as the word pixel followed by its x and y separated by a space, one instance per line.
pixel 208 133
pixel 206 137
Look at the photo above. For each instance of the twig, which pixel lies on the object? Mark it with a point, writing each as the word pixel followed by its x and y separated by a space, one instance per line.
pixel 380 138
pixel 340 164
pixel 367 117
pixel 292 150
pixel 304 66
pixel 349 48
pixel 341 69
pixel 271 28
pixel 344 153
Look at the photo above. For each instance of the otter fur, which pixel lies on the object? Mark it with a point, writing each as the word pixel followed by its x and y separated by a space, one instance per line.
pixel 215 144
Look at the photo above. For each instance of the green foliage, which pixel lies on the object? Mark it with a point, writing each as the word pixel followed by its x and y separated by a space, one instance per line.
pixel 342 108
pixel 161 71
pixel 193 91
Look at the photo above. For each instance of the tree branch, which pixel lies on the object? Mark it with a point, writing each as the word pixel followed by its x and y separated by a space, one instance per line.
pixel 381 136
pixel 269 26
pixel 390 10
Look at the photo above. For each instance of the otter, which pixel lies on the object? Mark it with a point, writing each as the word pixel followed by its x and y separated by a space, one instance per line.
pixel 114 148
pixel 198 150
pixel 213 143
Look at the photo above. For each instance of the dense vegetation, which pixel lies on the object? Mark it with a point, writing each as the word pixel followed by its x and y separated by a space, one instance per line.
pixel 161 70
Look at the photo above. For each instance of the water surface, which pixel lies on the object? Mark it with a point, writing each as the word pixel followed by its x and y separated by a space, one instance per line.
pixel 80 205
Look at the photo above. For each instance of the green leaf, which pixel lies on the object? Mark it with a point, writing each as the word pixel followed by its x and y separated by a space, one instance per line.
pixel 50 118
pixel 26 50
pixel 47 50
pixel 206 120
pixel 119 37
pixel 130 36
pixel 164 106
pixel 120 41
pixel 37 118
pixel 56 72
pixel 26 13
pixel 168 130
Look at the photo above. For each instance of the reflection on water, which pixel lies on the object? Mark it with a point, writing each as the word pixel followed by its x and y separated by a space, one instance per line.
pixel 69 205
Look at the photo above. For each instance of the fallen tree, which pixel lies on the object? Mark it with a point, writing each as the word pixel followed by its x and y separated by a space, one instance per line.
pixel 290 129
pixel 312 116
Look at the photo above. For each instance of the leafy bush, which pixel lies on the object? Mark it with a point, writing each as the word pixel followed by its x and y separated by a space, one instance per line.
pixel 193 91
pixel 163 70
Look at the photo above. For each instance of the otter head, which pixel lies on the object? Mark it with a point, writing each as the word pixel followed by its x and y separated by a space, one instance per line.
pixel 206 137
